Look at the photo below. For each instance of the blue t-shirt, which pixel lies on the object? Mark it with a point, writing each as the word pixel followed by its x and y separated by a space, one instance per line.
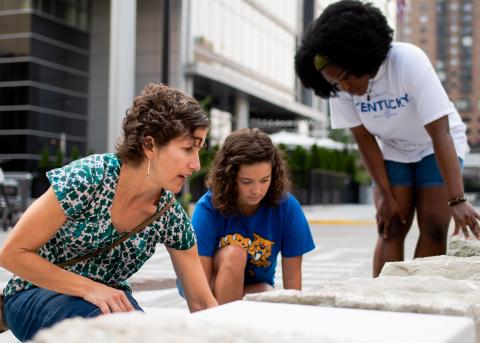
pixel 266 233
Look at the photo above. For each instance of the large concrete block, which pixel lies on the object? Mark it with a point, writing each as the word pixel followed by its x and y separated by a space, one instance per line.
pixel 450 267
pixel 416 294
pixel 163 326
pixel 459 246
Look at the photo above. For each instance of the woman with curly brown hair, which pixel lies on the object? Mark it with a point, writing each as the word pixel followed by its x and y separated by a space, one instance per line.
pixel 248 217
pixel 101 199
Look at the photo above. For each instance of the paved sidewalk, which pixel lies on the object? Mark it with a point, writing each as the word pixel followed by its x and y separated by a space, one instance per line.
pixel 363 214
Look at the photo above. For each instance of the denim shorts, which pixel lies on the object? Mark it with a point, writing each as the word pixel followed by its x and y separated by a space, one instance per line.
pixel 421 174
pixel 28 311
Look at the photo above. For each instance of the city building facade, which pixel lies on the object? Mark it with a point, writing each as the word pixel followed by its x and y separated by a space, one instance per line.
pixel 70 68
pixel 446 30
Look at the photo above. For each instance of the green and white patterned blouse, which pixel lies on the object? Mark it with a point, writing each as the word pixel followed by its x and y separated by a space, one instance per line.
pixel 85 190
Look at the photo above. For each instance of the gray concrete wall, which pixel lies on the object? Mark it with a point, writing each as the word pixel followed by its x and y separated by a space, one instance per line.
pixel 150 22
pixel 98 83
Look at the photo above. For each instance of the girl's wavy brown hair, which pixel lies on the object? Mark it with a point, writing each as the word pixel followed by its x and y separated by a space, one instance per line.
pixel 246 147
pixel 161 112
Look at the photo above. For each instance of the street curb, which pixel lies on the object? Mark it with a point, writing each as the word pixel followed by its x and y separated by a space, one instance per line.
pixel 341 222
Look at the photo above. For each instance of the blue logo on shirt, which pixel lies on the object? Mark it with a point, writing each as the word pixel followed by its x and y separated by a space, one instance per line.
pixel 384 104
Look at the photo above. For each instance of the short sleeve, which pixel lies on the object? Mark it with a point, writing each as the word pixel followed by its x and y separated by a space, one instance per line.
pixel 75 184
pixel 342 112
pixel 206 223
pixel 296 235
pixel 178 233
pixel 420 79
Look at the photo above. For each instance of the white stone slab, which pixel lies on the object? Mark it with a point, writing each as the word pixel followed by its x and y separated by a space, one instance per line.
pixel 328 324
pixel 459 246
pixel 163 326
pixel 450 267
pixel 414 294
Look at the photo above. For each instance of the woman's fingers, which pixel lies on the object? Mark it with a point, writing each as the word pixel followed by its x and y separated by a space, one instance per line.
pixel 475 228
pixel 465 231
pixel 386 228
pixel 127 305
pixel 104 308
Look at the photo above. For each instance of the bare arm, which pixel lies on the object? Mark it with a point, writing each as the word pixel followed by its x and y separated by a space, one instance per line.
pixel 464 214
pixel 388 207
pixel 207 264
pixel 19 255
pixel 189 270
pixel 292 272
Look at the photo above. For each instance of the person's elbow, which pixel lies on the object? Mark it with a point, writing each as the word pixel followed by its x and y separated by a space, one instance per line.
pixel 8 255
pixel 195 306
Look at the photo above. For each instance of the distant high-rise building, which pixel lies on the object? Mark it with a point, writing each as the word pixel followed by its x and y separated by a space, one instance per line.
pixel 44 60
pixel 445 30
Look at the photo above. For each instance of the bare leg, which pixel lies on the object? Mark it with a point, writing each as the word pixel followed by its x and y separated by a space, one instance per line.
pixel 392 248
pixel 433 216
pixel 228 273
pixel 258 288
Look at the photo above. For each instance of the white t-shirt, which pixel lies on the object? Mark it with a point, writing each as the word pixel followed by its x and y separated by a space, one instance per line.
pixel 405 95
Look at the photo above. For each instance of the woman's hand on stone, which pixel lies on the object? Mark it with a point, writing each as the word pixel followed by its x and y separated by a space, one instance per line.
pixel 108 299
pixel 465 218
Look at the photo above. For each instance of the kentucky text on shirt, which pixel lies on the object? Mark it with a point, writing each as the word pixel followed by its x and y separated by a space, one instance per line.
pixel 380 105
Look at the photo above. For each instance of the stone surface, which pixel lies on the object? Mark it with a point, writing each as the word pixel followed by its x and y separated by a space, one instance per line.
pixel 169 326
pixel 416 294
pixel 459 246
pixel 450 267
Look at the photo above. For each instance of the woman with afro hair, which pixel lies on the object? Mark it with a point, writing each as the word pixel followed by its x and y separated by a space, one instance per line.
pixel 247 218
pixel 410 135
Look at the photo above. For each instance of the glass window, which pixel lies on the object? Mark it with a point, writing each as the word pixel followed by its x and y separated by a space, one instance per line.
pixel 423 19
pixel 58 55
pixel 6 5
pixel 62 33
pixel 14 47
pixel 442 75
pixel 15 23
pixel 467 7
pixel 463 105
pixel 467 41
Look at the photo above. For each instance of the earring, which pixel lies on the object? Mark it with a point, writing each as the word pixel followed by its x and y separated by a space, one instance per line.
pixel 148 169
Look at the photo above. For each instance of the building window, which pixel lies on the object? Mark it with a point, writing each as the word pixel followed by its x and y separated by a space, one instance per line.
pixel 467 41
pixel 463 105
pixel 442 75
pixel 467 7
pixel 454 6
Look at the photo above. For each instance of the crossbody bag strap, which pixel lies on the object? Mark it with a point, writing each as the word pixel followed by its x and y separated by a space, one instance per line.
pixel 122 239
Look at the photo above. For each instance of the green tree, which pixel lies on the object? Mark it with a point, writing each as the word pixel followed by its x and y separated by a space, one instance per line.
pixel 58 158
pixel 44 162
pixel 75 153
pixel 341 135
